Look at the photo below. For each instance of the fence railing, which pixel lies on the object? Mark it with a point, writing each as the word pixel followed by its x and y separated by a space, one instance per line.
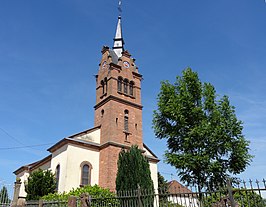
pixel 241 194
pixel 5 195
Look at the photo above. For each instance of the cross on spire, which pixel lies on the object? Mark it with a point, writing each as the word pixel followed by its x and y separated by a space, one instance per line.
pixel 118 40
pixel 119 7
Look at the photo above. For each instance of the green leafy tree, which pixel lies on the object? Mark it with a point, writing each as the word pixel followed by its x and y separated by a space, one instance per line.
pixel 4 199
pixel 204 137
pixel 40 183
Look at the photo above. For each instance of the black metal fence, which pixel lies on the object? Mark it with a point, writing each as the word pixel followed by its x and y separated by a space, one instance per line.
pixel 241 194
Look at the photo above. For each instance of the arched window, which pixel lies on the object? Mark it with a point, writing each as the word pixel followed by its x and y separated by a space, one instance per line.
pixel 119 84
pixel 102 83
pixel 131 88
pixel 85 173
pixel 126 86
pixel 57 175
pixel 126 120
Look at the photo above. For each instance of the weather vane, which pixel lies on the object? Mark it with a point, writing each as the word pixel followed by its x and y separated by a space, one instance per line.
pixel 120 7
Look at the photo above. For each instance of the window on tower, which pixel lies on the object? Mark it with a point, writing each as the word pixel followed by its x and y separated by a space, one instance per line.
pixel 105 82
pixel 126 86
pixel 102 84
pixel 131 88
pixel 119 84
pixel 126 120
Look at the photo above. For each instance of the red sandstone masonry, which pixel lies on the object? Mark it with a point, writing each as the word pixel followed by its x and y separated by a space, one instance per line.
pixel 109 113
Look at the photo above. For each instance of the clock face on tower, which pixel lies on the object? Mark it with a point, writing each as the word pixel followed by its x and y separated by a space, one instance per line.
pixel 126 64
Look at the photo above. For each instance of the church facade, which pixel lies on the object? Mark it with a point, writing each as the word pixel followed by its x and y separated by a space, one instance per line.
pixel 90 157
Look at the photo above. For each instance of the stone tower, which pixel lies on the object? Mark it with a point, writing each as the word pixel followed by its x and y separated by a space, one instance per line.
pixel 118 109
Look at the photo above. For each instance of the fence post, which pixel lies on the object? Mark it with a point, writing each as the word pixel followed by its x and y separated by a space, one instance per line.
pixel 40 203
pixel 16 192
pixel 21 202
pixel 72 201
pixel 139 196
pixel 230 192
pixel 85 200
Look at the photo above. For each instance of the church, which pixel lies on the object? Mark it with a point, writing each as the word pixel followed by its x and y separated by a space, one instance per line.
pixel 90 157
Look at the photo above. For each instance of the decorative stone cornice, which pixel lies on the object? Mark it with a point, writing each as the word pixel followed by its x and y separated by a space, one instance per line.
pixel 120 100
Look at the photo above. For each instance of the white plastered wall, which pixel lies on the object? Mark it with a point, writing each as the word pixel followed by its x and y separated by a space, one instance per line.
pixel 46 166
pixel 91 137
pixel 59 157
pixel 154 177
pixel 76 156
pixel 154 174
pixel 184 201
pixel 70 157
pixel 153 168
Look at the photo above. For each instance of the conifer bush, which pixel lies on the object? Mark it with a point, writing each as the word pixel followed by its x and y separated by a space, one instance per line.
pixel 134 178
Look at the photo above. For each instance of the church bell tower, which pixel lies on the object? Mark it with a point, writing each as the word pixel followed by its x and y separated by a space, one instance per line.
pixel 118 109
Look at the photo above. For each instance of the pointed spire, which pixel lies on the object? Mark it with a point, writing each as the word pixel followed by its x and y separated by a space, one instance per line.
pixel 118 40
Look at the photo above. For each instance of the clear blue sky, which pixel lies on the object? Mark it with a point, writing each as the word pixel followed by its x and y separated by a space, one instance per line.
pixel 50 50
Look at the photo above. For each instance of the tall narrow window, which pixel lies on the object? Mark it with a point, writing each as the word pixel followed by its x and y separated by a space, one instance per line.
pixel 102 83
pixel 57 175
pixel 131 86
pixel 105 82
pixel 85 175
pixel 126 86
pixel 119 84
pixel 126 121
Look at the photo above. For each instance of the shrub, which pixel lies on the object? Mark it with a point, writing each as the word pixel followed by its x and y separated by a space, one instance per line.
pixel 98 195
pixel 40 183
